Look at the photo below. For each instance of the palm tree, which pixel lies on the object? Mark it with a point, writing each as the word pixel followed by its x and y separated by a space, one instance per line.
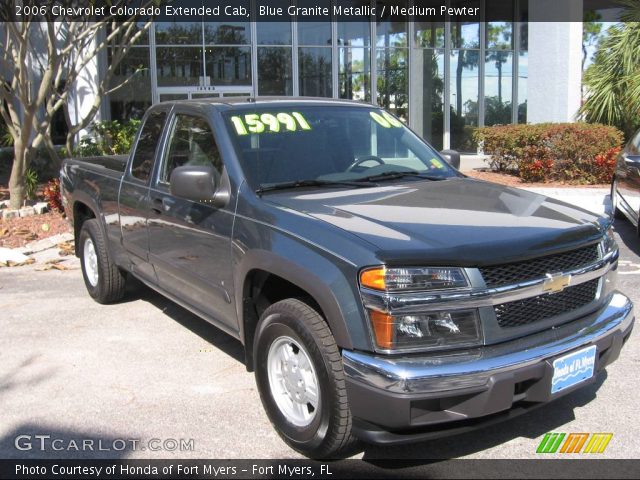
pixel 613 80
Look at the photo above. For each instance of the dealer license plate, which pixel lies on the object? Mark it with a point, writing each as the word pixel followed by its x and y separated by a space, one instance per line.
pixel 573 368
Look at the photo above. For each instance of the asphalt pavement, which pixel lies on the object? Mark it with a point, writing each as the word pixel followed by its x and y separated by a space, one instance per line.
pixel 146 379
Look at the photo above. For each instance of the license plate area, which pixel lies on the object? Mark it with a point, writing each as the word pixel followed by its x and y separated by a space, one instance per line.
pixel 573 368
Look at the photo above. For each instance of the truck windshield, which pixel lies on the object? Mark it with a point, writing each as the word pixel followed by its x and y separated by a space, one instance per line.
pixel 320 145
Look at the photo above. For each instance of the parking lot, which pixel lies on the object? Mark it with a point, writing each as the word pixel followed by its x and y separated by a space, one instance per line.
pixel 146 379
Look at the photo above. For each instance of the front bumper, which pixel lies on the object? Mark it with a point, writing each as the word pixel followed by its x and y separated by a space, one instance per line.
pixel 403 399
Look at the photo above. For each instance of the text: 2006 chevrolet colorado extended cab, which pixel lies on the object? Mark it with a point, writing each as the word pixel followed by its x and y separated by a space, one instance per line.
pixel 379 294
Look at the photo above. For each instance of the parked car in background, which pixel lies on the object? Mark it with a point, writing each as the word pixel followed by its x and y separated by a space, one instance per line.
pixel 625 187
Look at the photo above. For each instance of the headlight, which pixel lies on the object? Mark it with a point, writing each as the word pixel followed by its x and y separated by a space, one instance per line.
pixel 431 330
pixel 414 278
pixel 609 241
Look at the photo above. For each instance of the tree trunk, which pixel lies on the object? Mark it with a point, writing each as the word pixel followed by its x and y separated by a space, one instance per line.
pixel 17 189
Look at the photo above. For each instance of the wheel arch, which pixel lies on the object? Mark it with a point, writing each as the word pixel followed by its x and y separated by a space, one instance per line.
pixel 268 279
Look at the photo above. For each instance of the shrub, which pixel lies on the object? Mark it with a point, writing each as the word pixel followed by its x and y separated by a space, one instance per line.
pixel 30 183
pixel 562 151
pixel 109 138
pixel 536 170
pixel 52 195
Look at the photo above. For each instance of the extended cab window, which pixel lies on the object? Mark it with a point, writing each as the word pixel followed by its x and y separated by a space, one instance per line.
pixel 191 142
pixel 144 155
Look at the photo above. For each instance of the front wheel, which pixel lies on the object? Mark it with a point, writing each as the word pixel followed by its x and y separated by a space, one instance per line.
pixel 301 380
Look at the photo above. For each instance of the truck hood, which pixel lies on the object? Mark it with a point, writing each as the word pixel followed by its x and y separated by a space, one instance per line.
pixel 458 221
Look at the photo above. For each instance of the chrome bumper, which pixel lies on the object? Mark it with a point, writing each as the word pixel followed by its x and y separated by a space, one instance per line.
pixel 398 399
pixel 442 372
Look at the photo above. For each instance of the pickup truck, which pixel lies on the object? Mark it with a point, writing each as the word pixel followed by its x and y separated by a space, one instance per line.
pixel 379 294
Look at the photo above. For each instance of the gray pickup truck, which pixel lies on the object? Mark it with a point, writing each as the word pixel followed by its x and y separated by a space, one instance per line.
pixel 379 293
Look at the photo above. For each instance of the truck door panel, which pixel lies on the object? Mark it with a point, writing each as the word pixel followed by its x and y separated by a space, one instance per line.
pixel 189 242
pixel 134 195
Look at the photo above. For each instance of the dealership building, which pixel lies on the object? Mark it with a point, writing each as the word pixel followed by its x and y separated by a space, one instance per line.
pixel 442 78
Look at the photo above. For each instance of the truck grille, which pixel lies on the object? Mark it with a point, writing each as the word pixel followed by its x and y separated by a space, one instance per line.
pixel 530 310
pixel 511 273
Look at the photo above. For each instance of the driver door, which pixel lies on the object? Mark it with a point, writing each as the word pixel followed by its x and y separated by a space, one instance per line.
pixel 189 242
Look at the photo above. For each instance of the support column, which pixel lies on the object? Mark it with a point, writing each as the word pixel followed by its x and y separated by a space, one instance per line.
pixel 555 70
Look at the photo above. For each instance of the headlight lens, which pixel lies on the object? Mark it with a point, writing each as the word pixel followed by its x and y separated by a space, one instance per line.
pixel 609 241
pixel 414 278
pixel 426 330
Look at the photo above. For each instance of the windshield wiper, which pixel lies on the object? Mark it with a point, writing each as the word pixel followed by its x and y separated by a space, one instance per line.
pixel 395 174
pixel 312 183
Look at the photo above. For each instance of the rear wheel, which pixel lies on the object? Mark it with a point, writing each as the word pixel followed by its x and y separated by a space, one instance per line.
pixel 617 213
pixel 301 380
pixel 103 279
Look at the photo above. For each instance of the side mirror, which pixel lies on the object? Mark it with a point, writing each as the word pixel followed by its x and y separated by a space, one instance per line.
pixel 452 157
pixel 197 183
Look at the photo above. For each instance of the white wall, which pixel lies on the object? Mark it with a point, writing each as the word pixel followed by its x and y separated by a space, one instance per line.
pixel 555 63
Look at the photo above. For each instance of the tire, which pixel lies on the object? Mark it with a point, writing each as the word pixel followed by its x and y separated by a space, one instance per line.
pixel 103 279
pixel 616 212
pixel 318 426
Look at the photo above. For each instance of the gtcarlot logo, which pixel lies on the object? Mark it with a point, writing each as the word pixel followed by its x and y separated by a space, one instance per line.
pixel 47 443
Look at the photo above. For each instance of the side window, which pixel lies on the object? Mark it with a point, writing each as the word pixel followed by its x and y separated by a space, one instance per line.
pixel 143 157
pixel 191 142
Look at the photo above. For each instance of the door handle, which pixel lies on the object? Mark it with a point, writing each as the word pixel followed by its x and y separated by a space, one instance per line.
pixel 156 206
pixel 162 204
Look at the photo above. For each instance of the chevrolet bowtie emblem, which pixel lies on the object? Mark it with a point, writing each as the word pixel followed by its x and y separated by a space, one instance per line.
pixel 556 283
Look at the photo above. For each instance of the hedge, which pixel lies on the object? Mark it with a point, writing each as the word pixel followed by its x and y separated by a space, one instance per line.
pixel 571 152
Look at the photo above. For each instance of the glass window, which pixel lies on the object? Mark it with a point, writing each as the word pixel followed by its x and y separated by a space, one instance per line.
pixel 274 33
pixel 427 107
pixel 315 71
pixel 349 143
pixel 463 79
pixel 142 40
pixel 274 71
pixel 465 35
pixel 229 65
pixel 392 84
pixel 355 74
pixel 391 34
pixel 144 155
pixel 429 34
pixel 500 35
pixel 191 142
pixel 354 34
pixel 523 75
pixel 497 90
pixel 178 33
pixel 178 66
pixel 227 33
pixel 314 33
pixel 523 17
pixel 132 84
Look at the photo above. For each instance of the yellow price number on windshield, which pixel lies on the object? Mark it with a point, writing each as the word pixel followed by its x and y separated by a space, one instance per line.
pixel 269 122
pixel 386 120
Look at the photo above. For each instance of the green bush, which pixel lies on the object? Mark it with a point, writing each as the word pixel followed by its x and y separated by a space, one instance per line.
pixel 108 138
pixel 550 151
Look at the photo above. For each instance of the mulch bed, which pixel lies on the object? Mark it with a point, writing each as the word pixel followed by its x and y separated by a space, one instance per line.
pixel 514 181
pixel 17 232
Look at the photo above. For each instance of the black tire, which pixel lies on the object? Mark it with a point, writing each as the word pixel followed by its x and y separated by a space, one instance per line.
pixel 110 283
pixel 617 213
pixel 329 433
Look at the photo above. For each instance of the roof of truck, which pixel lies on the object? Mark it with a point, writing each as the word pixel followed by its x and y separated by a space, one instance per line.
pixel 284 101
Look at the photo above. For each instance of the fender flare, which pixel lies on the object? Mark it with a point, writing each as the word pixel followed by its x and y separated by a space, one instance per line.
pixel 300 276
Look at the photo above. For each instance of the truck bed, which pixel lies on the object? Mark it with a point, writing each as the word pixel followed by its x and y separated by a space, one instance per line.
pixel 117 163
